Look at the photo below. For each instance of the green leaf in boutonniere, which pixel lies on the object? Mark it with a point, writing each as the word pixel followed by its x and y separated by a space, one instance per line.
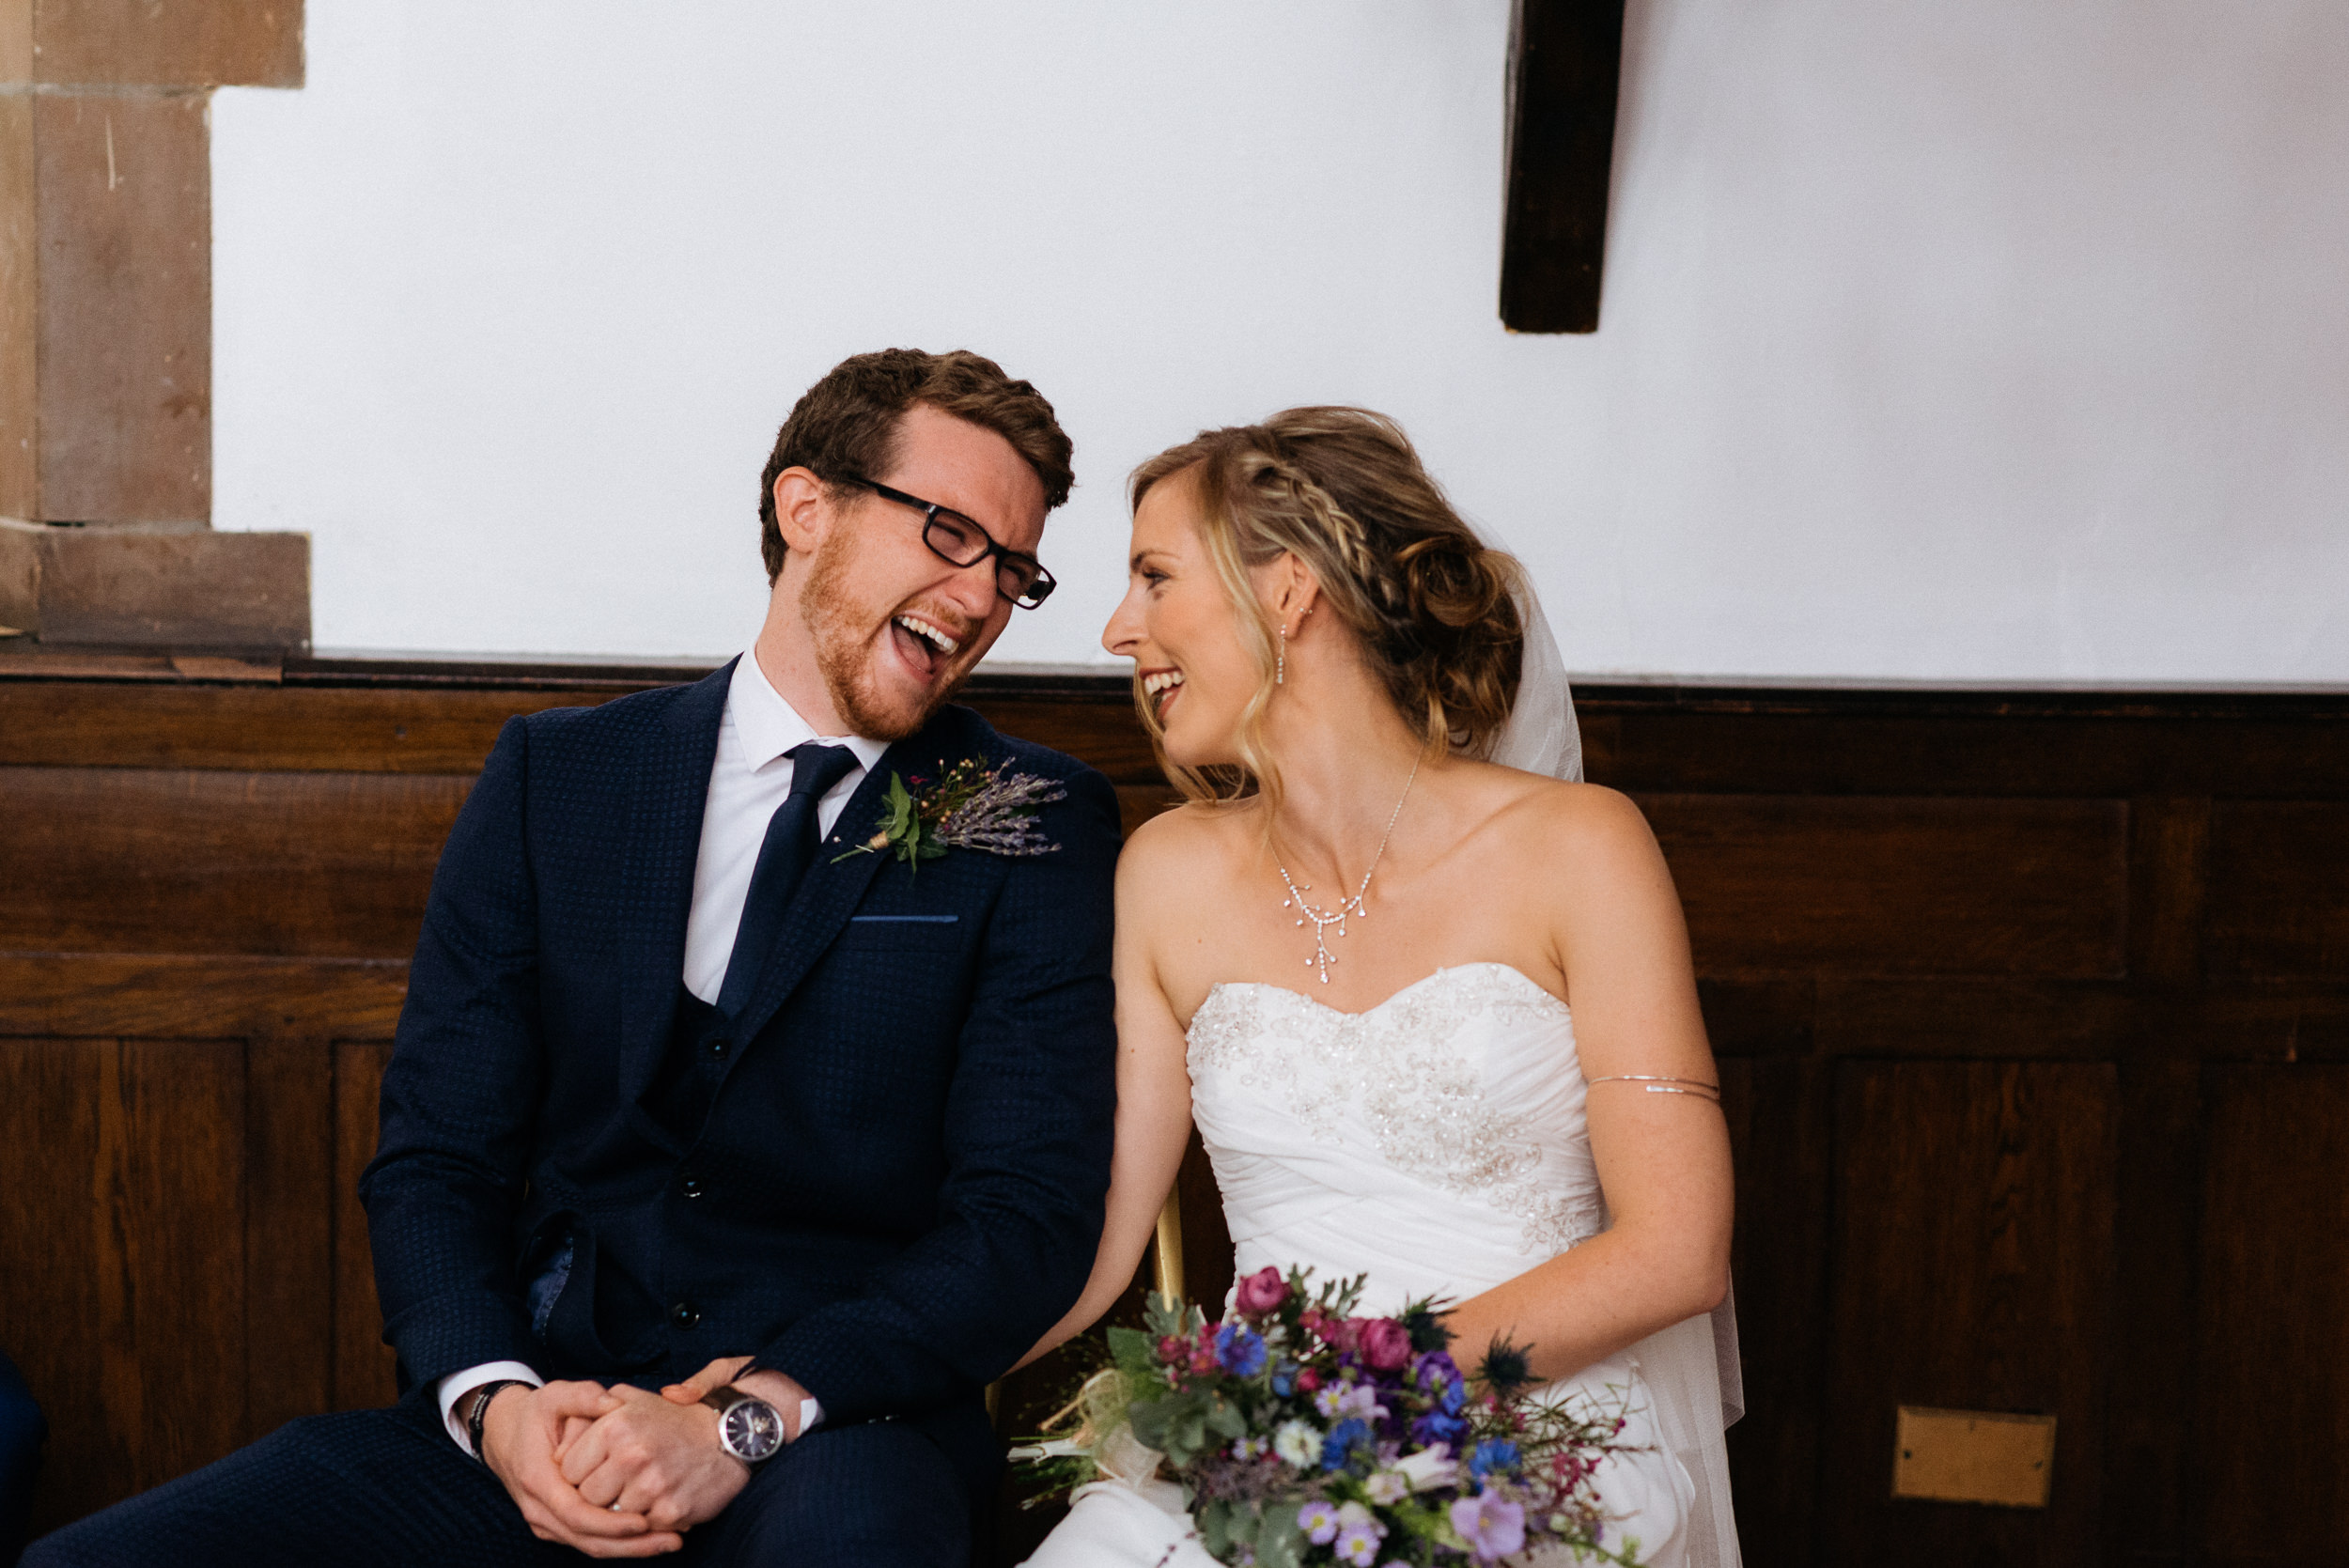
pixel 968 807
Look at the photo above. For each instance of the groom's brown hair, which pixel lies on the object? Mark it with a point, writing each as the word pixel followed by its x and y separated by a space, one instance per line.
pixel 847 424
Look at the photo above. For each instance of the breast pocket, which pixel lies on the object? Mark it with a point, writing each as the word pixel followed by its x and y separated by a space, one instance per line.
pixel 902 934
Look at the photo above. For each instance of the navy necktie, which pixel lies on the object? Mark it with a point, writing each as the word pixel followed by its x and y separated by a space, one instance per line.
pixel 783 861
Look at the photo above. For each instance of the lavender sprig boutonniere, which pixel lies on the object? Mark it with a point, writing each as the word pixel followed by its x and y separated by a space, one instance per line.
pixel 968 807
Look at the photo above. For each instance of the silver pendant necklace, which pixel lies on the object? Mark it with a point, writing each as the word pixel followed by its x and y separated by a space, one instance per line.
pixel 1323 919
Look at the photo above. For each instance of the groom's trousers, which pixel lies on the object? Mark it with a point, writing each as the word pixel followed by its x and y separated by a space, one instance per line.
pixel 388 1489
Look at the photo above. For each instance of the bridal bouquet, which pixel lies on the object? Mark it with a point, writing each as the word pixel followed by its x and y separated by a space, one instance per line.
pixel 1302 1434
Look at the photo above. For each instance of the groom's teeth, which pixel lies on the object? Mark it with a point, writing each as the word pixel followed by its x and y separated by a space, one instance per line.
pixel 922 629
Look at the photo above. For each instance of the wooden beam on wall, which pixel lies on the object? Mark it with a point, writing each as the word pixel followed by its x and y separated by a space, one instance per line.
pixel 1566 59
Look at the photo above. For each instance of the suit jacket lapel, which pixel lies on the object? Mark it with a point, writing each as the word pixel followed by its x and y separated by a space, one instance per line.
pixel 672 787
pixel 830 892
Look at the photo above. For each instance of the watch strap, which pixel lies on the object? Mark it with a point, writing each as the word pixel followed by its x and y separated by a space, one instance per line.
pixel 479 1410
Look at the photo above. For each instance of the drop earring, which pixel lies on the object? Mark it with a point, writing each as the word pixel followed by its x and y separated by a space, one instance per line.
pixel 1280 660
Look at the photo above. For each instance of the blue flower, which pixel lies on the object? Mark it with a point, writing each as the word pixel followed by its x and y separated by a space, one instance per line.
pixel 1437 1427
pixel 1240 1349
pixel 1343 1438
pixel 1454 1396
pixel 1285 1379
pixel 1493 1453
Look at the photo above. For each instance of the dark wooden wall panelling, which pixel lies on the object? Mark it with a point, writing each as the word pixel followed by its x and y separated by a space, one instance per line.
pixel 2033 1012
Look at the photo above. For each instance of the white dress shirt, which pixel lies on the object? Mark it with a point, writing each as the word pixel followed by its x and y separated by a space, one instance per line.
pixel 749 779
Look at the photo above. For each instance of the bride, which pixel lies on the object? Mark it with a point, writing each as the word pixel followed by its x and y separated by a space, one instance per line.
pixel 1433 1015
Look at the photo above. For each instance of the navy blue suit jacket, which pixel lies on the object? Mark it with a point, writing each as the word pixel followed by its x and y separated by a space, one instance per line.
pixel 898 1186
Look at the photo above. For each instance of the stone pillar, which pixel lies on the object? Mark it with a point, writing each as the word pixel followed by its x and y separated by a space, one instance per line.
pixel 105 327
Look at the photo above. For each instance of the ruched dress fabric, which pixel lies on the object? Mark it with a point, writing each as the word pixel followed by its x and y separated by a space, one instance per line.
pixel 1437 1143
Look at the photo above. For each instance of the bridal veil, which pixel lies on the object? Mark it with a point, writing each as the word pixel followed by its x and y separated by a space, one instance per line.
pixel 1691 1368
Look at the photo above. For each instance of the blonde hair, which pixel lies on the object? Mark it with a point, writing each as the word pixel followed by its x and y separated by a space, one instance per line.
pixel 1342 489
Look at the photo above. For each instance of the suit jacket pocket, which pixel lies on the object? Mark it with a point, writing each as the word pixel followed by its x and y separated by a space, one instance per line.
pixel 901 934
pixel 590 1307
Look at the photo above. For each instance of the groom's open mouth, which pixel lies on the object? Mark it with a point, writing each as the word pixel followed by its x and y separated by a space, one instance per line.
pixel 1161 686
pixel 922 644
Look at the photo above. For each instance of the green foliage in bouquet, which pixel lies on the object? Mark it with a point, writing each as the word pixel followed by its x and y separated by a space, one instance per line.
pixel 1304 1434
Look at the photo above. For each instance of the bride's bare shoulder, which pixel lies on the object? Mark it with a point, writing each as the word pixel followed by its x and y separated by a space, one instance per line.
pixel 1181 841
pixel 1571 818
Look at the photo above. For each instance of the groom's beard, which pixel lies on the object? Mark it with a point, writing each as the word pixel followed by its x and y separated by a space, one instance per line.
pixel 844 652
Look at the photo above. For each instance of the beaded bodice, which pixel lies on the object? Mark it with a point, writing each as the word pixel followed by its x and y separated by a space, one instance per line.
pixel 1436 1141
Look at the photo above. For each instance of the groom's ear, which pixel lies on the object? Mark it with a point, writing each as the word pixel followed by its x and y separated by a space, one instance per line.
pixel 803 509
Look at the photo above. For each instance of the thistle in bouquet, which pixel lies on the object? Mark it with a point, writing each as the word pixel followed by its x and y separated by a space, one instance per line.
pixel 1304 1434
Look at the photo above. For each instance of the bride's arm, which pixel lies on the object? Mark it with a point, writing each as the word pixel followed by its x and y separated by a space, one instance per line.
pixel 1663 1159
pixel 1152 1101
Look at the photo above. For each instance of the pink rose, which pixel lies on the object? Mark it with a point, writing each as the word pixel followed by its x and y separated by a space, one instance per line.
pixel 1262 1291
pixel 1308 1380
pixel 1386 1344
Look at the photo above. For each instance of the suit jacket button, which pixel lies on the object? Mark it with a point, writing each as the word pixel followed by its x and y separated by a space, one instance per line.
pixel 685 1314
pixel 718 1047
pixel 691 1186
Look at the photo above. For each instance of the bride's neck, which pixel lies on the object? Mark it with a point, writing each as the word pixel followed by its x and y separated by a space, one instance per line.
pixel 1343 759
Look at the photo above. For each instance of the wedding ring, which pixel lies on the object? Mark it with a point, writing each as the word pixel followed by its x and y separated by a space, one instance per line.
pixel 614 1505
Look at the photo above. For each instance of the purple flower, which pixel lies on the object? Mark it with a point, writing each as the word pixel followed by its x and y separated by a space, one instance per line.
pixel 1491 1525
pixel 1261 1292
pixel 1319 1521
pixel 1359 1545
pixel 1239 1350
pixel 1385 1344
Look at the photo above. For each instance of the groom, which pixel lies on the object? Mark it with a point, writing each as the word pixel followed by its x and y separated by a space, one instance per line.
pixel 697 1089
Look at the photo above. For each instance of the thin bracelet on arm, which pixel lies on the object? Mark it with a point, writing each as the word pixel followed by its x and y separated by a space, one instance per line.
pixel 1661 1083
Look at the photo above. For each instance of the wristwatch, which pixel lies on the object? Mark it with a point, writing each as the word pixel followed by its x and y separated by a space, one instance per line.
pixel 749 1428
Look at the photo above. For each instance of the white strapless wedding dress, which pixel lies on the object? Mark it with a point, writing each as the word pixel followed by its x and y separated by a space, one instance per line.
pixel 1436 1142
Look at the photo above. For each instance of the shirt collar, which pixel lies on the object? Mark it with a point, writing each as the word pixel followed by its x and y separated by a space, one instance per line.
pixel 765 727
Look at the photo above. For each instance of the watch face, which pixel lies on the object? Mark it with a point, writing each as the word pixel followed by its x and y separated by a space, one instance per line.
pixel 751 1430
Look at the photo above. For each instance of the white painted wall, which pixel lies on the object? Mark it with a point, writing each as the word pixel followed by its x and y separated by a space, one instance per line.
pixel 1986 342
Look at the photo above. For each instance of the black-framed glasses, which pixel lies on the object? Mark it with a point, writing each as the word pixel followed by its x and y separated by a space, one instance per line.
pixel 959 541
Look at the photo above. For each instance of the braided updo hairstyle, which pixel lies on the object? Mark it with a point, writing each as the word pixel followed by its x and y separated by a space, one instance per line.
pixel 1342 489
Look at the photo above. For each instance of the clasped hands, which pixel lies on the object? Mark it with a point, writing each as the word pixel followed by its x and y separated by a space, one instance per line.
pixel 621 1471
